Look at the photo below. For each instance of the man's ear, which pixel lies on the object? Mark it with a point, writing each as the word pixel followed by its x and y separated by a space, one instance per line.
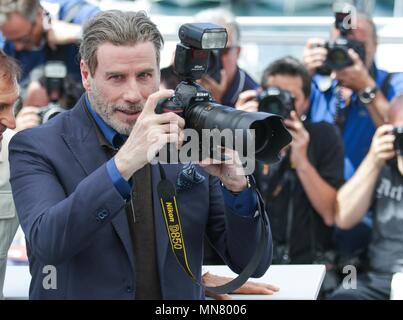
pixel 85 75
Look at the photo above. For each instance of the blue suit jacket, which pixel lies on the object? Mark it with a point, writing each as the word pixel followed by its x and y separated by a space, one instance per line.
pixel 74 218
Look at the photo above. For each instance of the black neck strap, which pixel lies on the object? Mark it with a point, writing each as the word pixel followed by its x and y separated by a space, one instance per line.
pixel 167 195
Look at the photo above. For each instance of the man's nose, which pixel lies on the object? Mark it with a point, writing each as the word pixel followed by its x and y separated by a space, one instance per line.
pixel 133 92
pixel 7 119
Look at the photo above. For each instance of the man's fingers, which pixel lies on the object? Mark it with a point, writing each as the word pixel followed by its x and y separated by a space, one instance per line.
pixel 354 56
pixel 29 110
pixel 250 106
pixel 257 288
pixel 385 147
pixel 153 99
pixel 224 77
pixel 218 296
pixel 387 155
pixel 167 118
pixel 244 97
pixel 315 42
pixel 387 138
pixel 382 130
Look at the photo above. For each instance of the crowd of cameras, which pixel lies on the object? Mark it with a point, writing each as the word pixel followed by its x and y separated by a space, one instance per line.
pixel 195 56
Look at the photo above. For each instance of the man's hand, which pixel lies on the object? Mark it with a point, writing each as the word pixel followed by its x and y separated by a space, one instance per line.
pixel 216 89
pixel 149 135
pixel 229 171
pixel 249 287
pixel 247 101
pixel 27 118
pixel 382 148
pixel 355 77
pixel 314 54
pixel 61 33
pixel 300 140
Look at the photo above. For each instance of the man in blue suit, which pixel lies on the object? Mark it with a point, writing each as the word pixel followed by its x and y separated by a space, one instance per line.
pixel 86 193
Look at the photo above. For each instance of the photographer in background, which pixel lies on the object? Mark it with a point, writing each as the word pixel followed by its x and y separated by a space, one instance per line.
pixel 356 100
pixel 230 80
pixel 300 190
pixel 377 185
pixel 62 93
pixel 35 36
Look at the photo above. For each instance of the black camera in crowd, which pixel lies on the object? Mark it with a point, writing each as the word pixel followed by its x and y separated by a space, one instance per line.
pixel 277 101
pixel 337 52
pixel 195 104
pixel 54 74
pixel 398 144
pixel 62 90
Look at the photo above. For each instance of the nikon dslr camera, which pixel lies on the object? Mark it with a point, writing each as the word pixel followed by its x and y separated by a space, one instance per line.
pixel 337 52
pixel 276 101
pixel 195 104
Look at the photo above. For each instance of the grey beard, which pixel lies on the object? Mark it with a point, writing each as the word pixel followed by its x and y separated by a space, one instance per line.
pixel 106 111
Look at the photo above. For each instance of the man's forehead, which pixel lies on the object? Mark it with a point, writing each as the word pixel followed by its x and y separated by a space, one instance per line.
pixel 112 56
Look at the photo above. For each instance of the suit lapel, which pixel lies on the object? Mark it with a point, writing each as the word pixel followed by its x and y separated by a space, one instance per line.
pixel 82 140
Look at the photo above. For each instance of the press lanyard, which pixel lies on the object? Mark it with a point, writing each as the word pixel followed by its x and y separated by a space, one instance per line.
pixel 167 196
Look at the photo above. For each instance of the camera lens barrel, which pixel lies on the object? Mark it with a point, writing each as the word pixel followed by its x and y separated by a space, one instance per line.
pixel 265 130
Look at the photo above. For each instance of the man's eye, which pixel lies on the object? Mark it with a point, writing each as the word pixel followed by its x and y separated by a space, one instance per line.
pixel 145 75
pixel 117 77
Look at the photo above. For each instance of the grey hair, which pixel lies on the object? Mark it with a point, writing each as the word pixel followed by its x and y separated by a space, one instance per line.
pixel 118 28
pixel 10 71
pixel 26 8
pixel 223 18
pixel 371 23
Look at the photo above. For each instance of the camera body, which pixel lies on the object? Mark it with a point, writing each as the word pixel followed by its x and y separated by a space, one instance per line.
pixel 50 111
pixel 63 91
pixel 277 101
pixel 199 110
pixel 398 143
pixel 55 73
pixel 337 51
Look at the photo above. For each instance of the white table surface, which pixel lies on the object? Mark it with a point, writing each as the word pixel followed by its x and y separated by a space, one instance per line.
pixel 296 282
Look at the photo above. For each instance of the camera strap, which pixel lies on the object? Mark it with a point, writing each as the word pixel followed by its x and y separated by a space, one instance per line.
pixel 167 196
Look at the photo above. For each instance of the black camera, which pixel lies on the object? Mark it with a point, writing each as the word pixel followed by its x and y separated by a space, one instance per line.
pixel 277 101
pixel 62 90
pixel 398 144
pixel 195 104
pixel 54 74
pixel 337 52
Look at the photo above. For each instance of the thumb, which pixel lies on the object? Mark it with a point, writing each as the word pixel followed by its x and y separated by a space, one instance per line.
pixel 224 78
pixel 153 99
pixel 354 56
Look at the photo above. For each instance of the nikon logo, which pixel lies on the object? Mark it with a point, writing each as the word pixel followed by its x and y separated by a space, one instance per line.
pixel 202 94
